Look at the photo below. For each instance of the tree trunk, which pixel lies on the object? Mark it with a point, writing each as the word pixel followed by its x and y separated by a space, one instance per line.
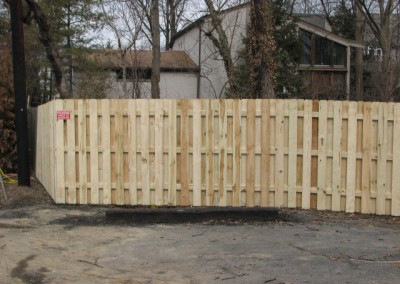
pixel 222 44
pixel 155 35
pixel 359 75
pixel 51 52
pixel 262 50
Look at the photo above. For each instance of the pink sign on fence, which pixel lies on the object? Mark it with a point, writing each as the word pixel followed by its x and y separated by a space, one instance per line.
pixel 63 115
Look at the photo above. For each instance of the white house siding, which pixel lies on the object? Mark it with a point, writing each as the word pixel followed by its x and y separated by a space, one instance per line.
pixel 173 85
pixel 214 78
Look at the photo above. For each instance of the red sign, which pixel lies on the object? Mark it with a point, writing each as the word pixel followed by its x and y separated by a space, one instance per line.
pixel 63 115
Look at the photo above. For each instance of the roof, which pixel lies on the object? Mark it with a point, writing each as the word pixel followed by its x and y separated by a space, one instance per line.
pixel 170 60
pixel 301 20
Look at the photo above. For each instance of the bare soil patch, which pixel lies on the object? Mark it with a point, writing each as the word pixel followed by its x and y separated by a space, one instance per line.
pixel 20 196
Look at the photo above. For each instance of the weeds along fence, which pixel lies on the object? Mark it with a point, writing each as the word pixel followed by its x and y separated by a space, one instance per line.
pixel 328 155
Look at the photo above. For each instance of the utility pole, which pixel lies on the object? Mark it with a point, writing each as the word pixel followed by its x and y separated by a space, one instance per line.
pixel 21 115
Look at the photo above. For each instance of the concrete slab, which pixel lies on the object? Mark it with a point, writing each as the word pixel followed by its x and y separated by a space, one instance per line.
pixel 72 244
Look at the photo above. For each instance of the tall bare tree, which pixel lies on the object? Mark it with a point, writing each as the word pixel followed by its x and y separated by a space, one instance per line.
pixel 262 49
pixel 220 41
pixel 155 36
pixel 382 26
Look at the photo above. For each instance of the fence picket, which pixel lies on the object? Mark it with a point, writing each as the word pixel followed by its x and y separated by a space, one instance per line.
pixel 322 153
pixel 159 153
pixel 396 163
pixel 351 158
pixel 279 152
pixel 132 152
pixel 337 156
pixel 196 153
pixel 382 143
pixel 366 160
pixel 292 166
pixel 307 146
pixel 265 152
pixel 100 142
pixel 144 147
pixel 172 153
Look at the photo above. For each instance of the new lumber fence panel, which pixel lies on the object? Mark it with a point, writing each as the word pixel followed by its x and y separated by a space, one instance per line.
pixel 326 155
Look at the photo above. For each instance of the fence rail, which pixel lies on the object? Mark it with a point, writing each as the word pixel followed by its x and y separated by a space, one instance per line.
pixel 328 155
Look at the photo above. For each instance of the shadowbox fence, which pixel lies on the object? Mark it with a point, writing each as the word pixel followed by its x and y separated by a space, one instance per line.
pixel 328 155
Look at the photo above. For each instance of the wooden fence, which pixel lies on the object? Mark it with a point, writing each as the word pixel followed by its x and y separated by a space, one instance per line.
pixel 328 155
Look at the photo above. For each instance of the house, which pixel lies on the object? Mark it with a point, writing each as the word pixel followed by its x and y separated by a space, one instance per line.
pixel 128 74
pixel 325 63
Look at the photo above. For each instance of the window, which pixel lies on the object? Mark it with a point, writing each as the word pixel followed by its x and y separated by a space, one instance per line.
pixel 134 74
pixel 320 51
pixel 306 39
pixel 323 51
pixel 340 55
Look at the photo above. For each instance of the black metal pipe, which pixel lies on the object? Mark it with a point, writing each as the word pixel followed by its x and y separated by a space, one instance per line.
pixel 21 115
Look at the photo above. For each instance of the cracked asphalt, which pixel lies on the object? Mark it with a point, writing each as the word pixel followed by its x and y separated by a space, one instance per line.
pixel 60 244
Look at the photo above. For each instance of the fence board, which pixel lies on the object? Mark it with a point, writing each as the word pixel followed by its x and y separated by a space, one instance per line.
pixel 59 156
pixel 210 155
pixel 307 147
pixel 172 153
pixel 184 173
pixel 265 152
pixel 396 163
pixel 82 152
pixel 159 153
pixel 322 153
pixel 94 158
pixel 279 154
pixel 351 158
pixel 236 153
pixel 132 152
pixel 366 160
pixel 250 159
pixel 381 177
pixel 337 156
pixel 110 146
pixel 144 150
pixel 106 143
pixel 222 143
pixel 292 167
pixel 196 153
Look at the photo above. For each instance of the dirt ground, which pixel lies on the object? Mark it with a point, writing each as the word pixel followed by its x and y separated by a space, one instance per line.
pixel 44 243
